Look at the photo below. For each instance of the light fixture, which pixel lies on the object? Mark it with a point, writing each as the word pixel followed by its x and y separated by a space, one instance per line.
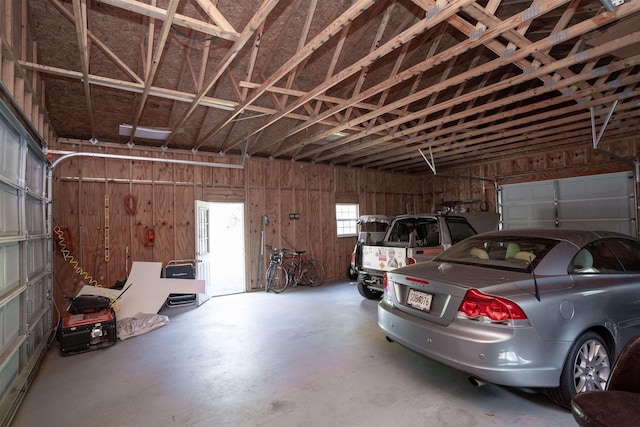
pixel 611 4
pixel 336 135
pixel 160 134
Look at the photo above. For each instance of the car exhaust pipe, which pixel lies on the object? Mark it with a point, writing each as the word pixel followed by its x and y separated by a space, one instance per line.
pixel 476 382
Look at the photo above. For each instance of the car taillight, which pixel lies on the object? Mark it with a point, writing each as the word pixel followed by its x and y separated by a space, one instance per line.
pixel 410 261
pixel 386 284
pixel 476 304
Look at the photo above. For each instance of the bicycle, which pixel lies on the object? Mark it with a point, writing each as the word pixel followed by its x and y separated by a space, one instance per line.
pixel 294 268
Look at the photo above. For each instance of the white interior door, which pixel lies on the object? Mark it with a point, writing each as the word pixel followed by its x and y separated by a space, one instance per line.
pixel 204 255
pixel 220 248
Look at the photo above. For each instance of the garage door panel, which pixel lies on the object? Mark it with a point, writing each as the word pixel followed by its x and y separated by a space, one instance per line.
pixel 529 213
pixel 598 202
pixel 25 261
pixel 601 209
pixel 618 226
pixel 529 192
pixel 10 153
pixel 528 224
pixel 598 186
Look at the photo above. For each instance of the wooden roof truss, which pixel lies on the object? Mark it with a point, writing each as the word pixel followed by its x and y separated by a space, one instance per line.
pixel 376 84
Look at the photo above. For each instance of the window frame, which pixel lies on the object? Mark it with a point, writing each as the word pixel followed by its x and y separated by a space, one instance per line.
pixel 342 219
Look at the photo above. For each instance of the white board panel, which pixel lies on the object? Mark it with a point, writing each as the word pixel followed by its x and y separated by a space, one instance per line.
pixel 145 291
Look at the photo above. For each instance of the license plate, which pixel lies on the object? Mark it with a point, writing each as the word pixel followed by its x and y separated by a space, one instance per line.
pixel 420 300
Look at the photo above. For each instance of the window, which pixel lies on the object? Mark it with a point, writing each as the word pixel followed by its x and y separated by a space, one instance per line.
pixel 346 219
pixel 609 256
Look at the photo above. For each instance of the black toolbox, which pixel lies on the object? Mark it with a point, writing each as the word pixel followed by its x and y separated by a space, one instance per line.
pixel 180 269
pixel 87 331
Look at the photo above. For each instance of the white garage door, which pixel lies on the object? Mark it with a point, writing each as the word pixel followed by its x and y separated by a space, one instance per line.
pixel 25 262
pixel 596 202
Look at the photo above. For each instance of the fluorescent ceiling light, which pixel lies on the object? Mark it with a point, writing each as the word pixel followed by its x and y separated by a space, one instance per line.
pixel 160 134
pixel 335 136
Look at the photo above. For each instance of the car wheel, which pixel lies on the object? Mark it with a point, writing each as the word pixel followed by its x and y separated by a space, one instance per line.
pixel 365 291
pixel 587 367
pixel 352 273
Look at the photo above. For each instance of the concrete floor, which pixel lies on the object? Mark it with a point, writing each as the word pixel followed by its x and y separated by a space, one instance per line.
pixel 306 357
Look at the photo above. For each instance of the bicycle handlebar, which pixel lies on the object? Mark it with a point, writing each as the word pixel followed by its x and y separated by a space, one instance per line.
pixel 284 251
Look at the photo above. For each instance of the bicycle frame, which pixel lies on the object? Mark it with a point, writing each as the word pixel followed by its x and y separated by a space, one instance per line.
pixel 295 266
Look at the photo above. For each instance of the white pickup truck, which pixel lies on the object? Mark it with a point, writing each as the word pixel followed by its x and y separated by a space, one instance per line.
pixel 410 238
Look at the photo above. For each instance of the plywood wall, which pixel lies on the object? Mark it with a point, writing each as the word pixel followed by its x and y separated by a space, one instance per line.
pixel 161 197
pixel 145 195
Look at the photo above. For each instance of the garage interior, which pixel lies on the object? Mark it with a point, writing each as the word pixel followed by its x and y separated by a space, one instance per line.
pixel 117 117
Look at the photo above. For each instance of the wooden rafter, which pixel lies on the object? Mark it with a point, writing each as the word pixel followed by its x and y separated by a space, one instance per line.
pixel 388 47
pixel 151 72
pixel 80 13
pixel 231 54
pixel 98 43
pixel 162 15
pixel 344 19
pixel 428 64
pixel 525 112
pixel 215 15
pixel 171 94
pixel 366 83
pixel 546 43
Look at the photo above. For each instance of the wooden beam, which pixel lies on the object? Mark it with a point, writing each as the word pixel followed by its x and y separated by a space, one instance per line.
pixel 181 20
pixel 420 68
pixel 252 60
pixel 377 39
pixel 215 15
pixel 251 27
pixel 355 10
pixel 496 130
pixel 506 120
pixel 80 13
pixel 546 43
pixel 151 74
pixel 369 59
pixel 99 44
pixel 159 92
pixel 301 42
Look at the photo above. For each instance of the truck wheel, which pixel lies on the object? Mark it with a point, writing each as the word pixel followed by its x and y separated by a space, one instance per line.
pixel 352 273
pixel 365 291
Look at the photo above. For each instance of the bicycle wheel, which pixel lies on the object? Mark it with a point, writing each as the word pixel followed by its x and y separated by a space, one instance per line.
pixel 277 278
pixel 307 274
pixel 314 274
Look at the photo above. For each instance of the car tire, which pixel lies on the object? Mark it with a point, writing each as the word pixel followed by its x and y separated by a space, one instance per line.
pixel 587 367
pixel 352 273
pixel 365 291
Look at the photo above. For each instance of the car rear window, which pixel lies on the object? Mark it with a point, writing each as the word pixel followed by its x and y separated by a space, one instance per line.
pixel 422 227
pixel 459 229
pixel 503 252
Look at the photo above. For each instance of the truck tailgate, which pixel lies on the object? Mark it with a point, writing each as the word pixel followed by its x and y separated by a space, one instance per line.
pixel 383 258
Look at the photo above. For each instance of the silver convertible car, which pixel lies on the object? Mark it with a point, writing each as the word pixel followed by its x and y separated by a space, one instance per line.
pixel 540 308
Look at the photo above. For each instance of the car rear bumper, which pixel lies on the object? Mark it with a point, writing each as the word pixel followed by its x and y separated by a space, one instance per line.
pixel 506 356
